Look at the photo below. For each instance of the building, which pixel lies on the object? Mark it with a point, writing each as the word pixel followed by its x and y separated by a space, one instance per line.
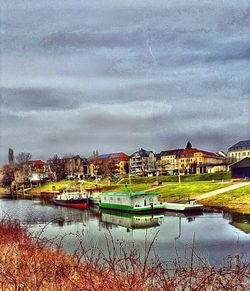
pixel 11 156
pixel 70 167
pixel 239 151
pixel 38 172
pixel 143 163
pixel 75 167
pixel 195 161
pixel 241 169
pixel 190 161
pixel 107 165
pixel 167 161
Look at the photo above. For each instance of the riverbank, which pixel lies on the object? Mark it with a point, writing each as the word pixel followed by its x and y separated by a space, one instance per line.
pixel 236 200
pixel 4 191
pixel 29 263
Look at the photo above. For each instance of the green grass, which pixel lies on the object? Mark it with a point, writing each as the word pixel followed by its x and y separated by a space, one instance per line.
pixel 173 191
pixel 242 226
pixel 185 190
pixel 48 186
pixel 184 178
pixel 132 188
pixel 237 200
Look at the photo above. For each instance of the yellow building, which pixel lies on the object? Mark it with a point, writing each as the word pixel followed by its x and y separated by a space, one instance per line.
pixel 189 161
pixel 194 161
pixel 168 161
pixel 109 164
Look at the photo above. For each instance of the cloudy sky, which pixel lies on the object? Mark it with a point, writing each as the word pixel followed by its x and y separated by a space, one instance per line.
pixel 117 75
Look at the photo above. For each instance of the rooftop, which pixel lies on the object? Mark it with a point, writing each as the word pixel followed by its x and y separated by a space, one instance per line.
pixel 142 152
pixel 130 194
pixel 113 156
pixel 243 144
pixel 174 152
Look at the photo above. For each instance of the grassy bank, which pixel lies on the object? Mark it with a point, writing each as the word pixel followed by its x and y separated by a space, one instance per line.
pixel 48 186
pixel 184 178
pixel 4 191
pixel 174 191
pixel 237 200
pixel 28 263
pixel 185 190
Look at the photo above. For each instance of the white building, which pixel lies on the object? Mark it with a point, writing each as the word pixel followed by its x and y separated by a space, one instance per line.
pixel 239 151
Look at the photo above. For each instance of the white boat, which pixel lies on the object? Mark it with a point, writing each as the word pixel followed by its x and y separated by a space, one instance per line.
pixel 71 198
pixel 190 206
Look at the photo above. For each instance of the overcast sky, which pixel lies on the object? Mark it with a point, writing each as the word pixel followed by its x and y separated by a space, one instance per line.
pixel 118 75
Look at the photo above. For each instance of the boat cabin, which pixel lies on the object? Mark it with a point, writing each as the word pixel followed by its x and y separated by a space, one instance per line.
pixel 127 201
pixel 70 194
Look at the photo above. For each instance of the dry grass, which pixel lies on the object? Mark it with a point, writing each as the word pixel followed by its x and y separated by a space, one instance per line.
pixel 29 263
pixel 237 200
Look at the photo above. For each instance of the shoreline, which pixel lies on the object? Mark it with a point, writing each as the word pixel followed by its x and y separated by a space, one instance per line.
pixel 235 201
pixel 208 208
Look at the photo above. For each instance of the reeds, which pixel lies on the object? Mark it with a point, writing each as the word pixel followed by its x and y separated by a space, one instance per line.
pixel 31 263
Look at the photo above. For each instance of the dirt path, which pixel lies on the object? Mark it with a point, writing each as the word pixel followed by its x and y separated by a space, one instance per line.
pixel 155 188
pixel 122 179
pixel 222 190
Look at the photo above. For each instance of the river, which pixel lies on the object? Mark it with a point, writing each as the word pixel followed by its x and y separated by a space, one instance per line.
pixel 214 235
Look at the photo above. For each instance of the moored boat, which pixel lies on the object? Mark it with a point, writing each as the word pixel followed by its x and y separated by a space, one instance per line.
pixel 184 207
pixel 133 202
pixel 94 194
pixel 71 198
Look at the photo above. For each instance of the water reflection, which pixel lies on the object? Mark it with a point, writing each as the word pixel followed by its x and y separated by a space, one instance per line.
pixel 216 235
pixel 238 220
pixel 129 221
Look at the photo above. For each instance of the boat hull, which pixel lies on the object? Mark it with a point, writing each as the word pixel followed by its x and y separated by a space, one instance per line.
pixel 72 203
pixel 94 201
pixel 183 207
pixel 130 209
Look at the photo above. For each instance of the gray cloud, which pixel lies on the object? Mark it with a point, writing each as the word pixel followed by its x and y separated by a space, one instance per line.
pixel 25 99
pixel 118 75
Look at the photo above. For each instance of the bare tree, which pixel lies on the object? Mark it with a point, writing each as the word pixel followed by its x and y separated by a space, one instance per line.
pixel 8 175
pixel 23 158
pixel 57 166
pixel 23 167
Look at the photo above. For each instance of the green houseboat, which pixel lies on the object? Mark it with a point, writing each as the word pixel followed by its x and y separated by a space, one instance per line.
pixel 133 202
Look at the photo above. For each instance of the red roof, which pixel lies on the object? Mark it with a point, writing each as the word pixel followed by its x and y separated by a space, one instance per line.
pixel 189 152
pixel 37 162
pixel 113 157
pixel 192 151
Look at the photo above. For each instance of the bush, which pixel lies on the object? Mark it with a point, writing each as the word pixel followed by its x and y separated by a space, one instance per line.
pixel 27 263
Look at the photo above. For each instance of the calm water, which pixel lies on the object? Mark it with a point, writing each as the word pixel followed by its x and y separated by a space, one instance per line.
pixel 215 235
